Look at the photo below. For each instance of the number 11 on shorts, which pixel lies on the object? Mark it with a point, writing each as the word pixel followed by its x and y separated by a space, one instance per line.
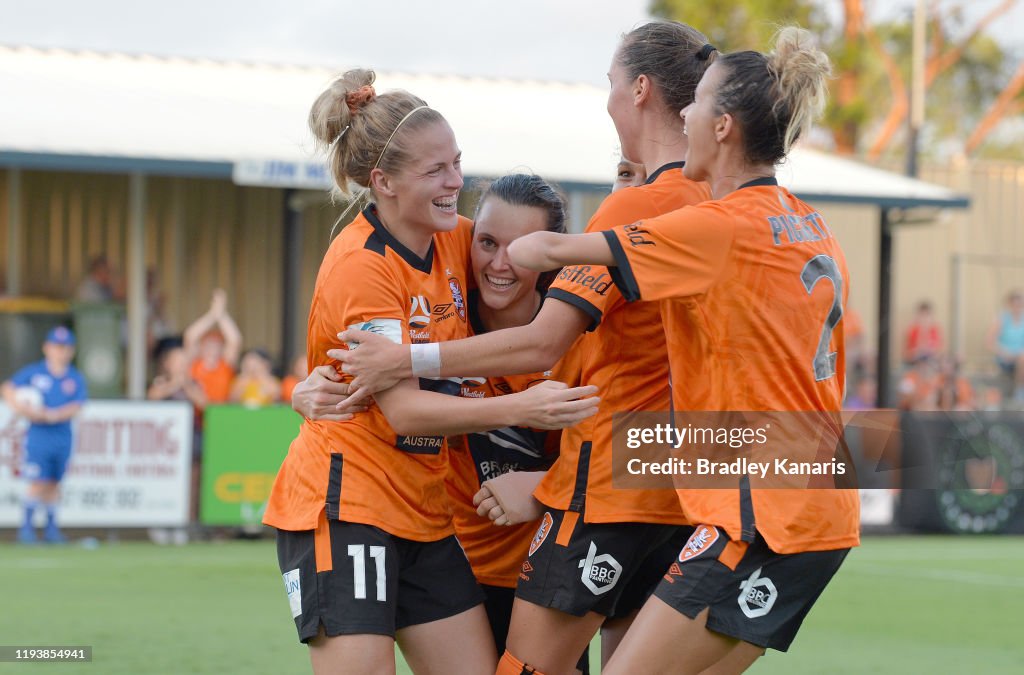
pixel 358 552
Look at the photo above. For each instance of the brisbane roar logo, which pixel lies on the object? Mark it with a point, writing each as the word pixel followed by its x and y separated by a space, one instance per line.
pixel 457 298
pixel 700 541
pixel 542 533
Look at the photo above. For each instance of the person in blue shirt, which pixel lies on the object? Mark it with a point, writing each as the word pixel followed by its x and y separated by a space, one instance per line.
pixel 1006 341
pixel 49 393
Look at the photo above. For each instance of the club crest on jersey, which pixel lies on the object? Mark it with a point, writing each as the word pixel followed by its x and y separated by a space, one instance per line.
pixel 419 312
pixel 757 595
pixel 700 541
pixel 457 298
pixel 542 532
pixel 600 572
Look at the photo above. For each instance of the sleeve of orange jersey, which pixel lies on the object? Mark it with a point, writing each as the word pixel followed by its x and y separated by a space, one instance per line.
pixel 676 255
pixel 586 287
pixel 362 289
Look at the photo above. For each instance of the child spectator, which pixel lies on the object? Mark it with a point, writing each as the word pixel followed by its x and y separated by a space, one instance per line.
pixel 255 385
pixel 1006 341
pixel 212 345
pixel 924 337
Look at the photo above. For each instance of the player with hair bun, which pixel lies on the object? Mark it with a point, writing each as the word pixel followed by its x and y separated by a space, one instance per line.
pixel 752 287
pixel 365 540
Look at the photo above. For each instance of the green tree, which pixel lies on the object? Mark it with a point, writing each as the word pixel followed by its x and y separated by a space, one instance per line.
pixel 965 69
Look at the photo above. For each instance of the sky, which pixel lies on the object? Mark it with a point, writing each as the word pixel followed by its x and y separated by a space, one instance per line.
pixel 568 40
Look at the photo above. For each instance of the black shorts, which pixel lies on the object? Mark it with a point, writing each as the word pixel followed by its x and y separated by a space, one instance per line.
pixel 357 579
pixel 754 594
pixel 608 568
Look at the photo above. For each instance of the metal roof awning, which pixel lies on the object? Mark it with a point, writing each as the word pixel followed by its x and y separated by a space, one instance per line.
pixel 86 111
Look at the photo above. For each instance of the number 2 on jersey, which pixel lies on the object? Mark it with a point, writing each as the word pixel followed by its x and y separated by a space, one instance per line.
pixel 358 554
pixel 824 267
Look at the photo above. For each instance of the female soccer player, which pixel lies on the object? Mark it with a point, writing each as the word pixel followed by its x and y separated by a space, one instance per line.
pixel 504 296
pixel 365 540
pixel 752 288
pixel 628 174
pixel 599 550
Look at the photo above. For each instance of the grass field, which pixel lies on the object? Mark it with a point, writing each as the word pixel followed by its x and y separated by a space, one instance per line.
pixel 899 605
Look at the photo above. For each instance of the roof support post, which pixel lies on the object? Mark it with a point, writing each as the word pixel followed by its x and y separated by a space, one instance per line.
pixel 884 307
pixel 14 231
pixel 291 281
pixel 137 304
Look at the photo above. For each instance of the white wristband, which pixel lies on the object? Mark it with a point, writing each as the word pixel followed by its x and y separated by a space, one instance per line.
pixel 426 360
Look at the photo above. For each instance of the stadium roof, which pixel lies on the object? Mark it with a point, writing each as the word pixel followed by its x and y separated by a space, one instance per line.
pixel 88 111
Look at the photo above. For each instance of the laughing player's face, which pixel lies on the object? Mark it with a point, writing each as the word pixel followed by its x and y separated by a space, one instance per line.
pixel 427 188
pixel 499 223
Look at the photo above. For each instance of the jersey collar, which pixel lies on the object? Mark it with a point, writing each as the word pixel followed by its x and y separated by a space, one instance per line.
pixel 757 182
pixel 666 167
pixel 422 264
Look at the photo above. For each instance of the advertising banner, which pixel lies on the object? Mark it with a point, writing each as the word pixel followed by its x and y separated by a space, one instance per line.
pixel 130 466
pixel 242 451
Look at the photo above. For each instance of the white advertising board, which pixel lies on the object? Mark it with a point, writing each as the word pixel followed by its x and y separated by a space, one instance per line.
pixel 130 467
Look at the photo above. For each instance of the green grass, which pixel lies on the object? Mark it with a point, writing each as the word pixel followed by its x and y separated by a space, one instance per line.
pixel 899 605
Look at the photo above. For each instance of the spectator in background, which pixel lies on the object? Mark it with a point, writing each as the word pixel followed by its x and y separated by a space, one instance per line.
pixel 924 337
pixel 173 381
pixel 1006 341
pixel 629 174
pixel 212 345
pixel 865 395
pixel 49 394
pixel 299 371
pixel 936 384
pixel 255 385
pixel 100 285
pixel 158 327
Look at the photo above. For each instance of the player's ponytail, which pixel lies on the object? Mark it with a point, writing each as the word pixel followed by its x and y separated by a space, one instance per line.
pixel 802 89
pixel 775 97
pixel 361 130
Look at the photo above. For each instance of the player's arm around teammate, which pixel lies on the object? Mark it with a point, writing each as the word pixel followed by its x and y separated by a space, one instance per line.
pixel 559 607
pixel 751 260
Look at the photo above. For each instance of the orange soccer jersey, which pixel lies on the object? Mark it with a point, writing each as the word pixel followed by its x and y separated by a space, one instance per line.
pixel 497 553
pixel 754 285
pixel 215 382
pixel 625 356
pixel 361 471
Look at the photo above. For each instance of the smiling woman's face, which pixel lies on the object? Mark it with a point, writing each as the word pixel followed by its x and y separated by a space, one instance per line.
pixel 499 223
